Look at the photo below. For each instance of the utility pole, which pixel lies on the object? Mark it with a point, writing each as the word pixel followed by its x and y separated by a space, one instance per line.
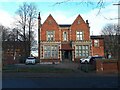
pixel 1 41
pixel 39 27
pixel 118 33
pixel 118 40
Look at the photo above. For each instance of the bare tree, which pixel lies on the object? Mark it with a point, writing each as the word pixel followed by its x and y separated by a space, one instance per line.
pixel 100 4
pixel 110 29
pixel 27 14
pixel 22 13
pixel 4 32
pixel 110 33
pixel 31 19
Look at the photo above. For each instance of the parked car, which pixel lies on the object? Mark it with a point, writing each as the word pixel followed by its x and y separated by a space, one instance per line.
pixel 90 59
pixel 81 59
pixel 30 60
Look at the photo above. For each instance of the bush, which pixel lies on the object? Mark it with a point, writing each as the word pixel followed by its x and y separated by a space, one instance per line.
pixel 22 59
pixel 37 60
pixel 88 67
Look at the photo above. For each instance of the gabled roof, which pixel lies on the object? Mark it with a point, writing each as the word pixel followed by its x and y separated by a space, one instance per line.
pixel 78 18
pixel 96 37
pixel 50 17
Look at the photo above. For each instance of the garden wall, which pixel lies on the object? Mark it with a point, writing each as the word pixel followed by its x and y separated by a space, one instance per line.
pixel 107 66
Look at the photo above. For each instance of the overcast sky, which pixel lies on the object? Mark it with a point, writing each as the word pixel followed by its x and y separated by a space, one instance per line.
pixel 64 13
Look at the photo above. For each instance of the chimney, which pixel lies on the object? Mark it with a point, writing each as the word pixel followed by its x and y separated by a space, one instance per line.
pixel 87 23
pixel 39 16
pixel 39 27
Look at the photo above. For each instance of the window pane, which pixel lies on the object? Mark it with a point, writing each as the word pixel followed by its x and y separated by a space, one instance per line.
pixel 76 47
pixel 87 55
pixel 77 54
pixel 50 35
pixel 96 43
pixel 80 51
pixel 83 47
pixel 77 51
pixel 80 54
pixel 86 47
pixel 81 32
pixel 65 36
pixel 81 38
pixel 86 51
pixel 83 54
pixel 77 33
pixel 80 47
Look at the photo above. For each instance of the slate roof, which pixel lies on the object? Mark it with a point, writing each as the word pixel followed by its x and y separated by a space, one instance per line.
pixel 97 37
pixel 64 25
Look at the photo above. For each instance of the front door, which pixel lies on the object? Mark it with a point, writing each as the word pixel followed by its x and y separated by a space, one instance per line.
pixel 66 55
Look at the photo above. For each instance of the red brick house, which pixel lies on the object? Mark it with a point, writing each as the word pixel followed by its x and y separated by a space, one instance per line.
pixel 97 45
pixel 60 42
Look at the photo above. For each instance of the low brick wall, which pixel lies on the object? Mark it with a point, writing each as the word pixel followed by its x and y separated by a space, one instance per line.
pixel 8 61
pixel 107 66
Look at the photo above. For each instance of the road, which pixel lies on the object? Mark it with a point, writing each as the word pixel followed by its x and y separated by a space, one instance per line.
pixel 61 82
pixel 77 79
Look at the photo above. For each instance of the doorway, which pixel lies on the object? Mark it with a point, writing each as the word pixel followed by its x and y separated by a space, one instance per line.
pixel 67 55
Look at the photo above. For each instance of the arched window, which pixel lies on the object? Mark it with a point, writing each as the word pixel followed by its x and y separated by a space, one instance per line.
pixel 65 36
pixel 96 43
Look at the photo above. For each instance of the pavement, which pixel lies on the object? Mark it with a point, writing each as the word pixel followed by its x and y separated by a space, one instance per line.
pixel 52 75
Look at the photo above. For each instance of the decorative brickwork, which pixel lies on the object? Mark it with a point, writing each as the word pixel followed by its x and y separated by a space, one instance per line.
pixel 67 38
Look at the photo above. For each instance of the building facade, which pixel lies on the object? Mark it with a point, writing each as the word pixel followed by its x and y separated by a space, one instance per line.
pixel 60 42
pixel 14 51
pixel 97 47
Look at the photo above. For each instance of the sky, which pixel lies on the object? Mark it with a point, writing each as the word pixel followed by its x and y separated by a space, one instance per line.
pixel 64 13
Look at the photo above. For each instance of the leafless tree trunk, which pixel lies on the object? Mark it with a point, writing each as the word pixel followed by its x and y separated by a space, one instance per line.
pixel 110 33
pixel 31 18
pixel 27 14
pixel 22 13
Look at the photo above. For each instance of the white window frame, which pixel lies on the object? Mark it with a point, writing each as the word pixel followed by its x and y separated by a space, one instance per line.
pixel 50 35
pixel 80 35
pixel 82 51
pixel 66 36
pixel 51 51
pixel 96 44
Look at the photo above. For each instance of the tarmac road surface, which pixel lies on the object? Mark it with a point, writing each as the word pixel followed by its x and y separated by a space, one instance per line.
pixel 92 81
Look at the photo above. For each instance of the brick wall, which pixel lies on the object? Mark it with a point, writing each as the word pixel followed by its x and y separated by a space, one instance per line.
pixel 49 25
pixel 80 27
pixel 98 50
pixel 107 66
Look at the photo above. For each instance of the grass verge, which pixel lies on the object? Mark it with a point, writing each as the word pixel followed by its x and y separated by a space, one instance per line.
pixel 42 69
